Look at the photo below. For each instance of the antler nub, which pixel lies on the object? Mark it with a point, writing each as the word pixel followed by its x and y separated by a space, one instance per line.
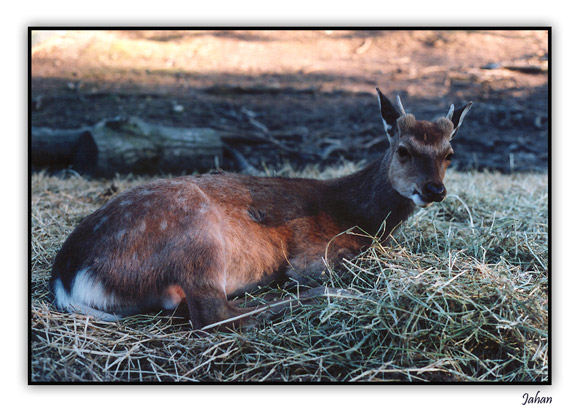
pixel 451 111
pixel 400 104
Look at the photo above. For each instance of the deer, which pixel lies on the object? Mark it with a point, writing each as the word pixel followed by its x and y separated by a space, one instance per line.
pixel 200 240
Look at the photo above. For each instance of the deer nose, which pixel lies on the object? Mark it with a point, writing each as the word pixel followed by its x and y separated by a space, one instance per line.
pixel 434 192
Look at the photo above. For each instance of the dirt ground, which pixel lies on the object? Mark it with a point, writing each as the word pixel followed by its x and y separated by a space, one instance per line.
pixel 311 92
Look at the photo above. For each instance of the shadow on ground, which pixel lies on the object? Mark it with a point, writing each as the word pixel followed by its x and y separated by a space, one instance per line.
pixel 319 113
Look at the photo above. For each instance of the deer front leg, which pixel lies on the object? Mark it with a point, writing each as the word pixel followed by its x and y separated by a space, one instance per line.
pixel 311 270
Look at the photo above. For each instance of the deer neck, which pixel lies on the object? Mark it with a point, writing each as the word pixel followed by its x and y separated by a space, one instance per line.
pixel 367 199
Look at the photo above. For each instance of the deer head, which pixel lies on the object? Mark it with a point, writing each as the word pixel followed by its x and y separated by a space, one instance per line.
pixel 420 151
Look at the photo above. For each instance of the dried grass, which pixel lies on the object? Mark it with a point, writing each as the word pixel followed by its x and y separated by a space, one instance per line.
pixel 460 294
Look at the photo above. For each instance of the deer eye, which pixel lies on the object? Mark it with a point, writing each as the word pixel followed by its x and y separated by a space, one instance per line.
pixel 449 157
pixel 403 153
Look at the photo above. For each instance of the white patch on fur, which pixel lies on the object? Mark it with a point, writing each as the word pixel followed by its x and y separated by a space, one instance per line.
pixel 87 296
pixel 416 198
pixel 142 226
pixel 171 297
pixel 88 290
pixel 163 225
pixel 126 202
pixel 170 302
pixel 61 296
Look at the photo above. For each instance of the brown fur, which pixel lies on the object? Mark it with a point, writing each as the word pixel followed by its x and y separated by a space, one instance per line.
pixel 206 238
pixel 428 133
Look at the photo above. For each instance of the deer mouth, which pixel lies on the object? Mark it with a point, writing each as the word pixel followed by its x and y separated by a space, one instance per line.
pixel 420 200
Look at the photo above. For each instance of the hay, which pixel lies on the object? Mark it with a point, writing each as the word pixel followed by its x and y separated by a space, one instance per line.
pixel 459 294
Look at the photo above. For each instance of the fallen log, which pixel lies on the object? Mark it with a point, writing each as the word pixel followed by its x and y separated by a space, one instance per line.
pixel 55 149
pixel 127 145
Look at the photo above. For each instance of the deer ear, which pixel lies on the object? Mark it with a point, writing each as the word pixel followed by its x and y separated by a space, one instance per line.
pixel 389 114
pixel 457 116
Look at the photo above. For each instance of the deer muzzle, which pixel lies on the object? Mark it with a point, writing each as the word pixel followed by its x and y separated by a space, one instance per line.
pixel 433 192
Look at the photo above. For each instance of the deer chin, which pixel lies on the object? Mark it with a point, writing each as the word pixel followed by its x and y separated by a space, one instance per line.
pixel 415 196
pixel 419 200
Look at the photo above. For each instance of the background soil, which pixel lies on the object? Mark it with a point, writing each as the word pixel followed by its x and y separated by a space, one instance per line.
pixel 310 93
